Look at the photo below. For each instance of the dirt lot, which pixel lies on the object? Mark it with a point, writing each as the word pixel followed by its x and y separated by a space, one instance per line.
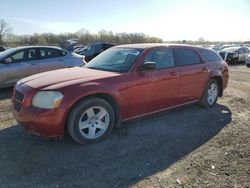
pixel 187 147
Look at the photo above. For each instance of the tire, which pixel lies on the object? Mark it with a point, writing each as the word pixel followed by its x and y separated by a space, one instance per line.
pixel 248 65
pixel 90 120
pixel 210 94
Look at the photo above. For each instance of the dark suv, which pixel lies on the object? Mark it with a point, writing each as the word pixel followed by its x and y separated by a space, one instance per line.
pixel 95 49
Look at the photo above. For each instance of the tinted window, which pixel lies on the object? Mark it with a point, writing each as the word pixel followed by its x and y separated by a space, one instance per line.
pixel 246 50
pixel 106 46
pixel 22 56
pixel 2 48
pixel 210 56
pixel 162 58
pixel 97 47
pixel 187 57
pixel 241 50
pixel 50 53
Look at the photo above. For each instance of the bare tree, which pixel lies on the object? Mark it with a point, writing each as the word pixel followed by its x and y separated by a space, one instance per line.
pixel 4 30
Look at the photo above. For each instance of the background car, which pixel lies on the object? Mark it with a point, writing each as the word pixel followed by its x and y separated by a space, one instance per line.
pixel 79 49
pixel 20 62
pixel 69 44
pixel 2 49
pixel 248 61
pixel 122 83
pixel 95 49
pixel 235 54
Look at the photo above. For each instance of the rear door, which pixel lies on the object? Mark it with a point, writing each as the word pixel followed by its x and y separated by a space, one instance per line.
pixel 21 64
pixel 194 74
pixel 51 59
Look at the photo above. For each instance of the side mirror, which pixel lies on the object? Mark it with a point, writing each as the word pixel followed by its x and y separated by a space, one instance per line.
pixel 147 66
pixel 7 60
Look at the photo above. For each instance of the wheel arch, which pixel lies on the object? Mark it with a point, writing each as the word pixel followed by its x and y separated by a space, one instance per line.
pixel 107 97
pixel 220 82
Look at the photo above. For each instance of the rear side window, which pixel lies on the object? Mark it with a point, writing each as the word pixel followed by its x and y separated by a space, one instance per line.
pixel 51 53
pixel 210 56
pixel 187 57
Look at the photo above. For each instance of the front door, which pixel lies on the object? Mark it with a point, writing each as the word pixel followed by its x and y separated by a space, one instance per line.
pixel 17 66
pixel 158 89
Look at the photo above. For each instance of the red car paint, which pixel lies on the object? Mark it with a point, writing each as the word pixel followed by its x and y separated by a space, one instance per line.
pixel 136 93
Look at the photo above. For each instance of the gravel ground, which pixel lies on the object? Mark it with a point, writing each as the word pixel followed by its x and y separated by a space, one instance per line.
pixel 186 147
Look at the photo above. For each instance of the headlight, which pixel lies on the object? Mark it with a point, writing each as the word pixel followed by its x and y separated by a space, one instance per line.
pixel 47 99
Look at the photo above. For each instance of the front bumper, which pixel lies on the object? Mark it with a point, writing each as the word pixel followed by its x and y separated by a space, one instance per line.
pixel 45 123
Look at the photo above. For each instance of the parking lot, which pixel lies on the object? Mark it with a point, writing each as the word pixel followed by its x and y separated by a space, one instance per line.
pixel 186 147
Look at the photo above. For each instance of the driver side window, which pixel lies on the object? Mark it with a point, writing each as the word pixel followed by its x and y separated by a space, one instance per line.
pixel 163 58
pixel 22 56
pixel 18 57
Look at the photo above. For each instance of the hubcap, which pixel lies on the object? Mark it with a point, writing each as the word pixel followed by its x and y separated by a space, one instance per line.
pixel 94 122
pixel 212 93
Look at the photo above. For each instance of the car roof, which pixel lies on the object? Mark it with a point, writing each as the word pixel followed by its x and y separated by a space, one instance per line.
pixel 101 43
pixel 154 45
pixel 26 47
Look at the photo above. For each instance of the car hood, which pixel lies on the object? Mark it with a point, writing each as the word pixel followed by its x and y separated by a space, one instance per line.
pixel 64 77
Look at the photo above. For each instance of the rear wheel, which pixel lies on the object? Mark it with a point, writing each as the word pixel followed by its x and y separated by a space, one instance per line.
pixel 90 120
pixel 210 94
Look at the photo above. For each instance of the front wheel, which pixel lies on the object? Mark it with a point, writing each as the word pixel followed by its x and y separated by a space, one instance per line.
pixel 91 120
pixel 210 94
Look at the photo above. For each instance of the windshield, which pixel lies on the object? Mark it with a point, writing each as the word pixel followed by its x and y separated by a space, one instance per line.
pixel 115 60
pixel 231 49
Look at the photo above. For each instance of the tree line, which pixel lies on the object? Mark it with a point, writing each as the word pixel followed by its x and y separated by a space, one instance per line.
pixel 84 37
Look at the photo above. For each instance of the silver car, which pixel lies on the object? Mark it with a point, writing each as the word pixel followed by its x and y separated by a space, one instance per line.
pixel 20 62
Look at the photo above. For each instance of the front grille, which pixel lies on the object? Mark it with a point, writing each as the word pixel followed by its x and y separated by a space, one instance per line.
pixel 19 96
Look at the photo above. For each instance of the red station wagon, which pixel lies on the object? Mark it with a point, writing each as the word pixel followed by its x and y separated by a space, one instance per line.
pixel 122 83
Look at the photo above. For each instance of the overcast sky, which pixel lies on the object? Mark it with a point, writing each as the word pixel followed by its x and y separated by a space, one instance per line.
pixel 216 20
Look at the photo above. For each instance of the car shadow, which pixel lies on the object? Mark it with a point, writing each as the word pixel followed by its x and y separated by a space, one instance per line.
pixel 139 149
pixel 6 93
